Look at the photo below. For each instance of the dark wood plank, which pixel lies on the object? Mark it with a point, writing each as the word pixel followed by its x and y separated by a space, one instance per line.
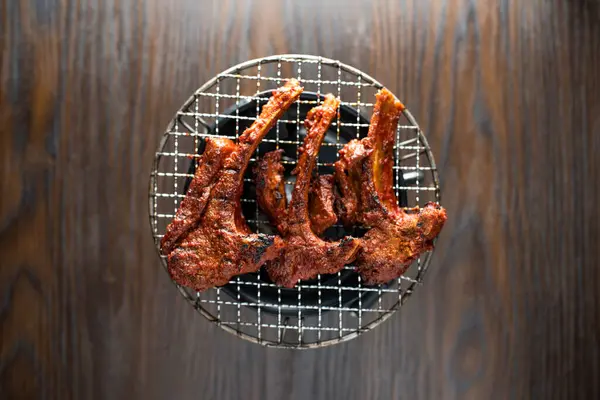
pixel 508 94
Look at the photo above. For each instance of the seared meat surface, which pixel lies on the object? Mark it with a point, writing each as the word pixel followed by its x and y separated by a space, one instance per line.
pixel 365 176
pixel 389 248
pixel 221 245
pixel 271 198
pixel 270 185
pixel 348 175
pixel 192 206
pixel 321 203
pixel 304 254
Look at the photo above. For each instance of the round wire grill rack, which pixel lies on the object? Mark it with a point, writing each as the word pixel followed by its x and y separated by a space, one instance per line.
pixel 329 309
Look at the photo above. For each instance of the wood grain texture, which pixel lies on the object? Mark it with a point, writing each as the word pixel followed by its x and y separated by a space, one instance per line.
pixel 508 93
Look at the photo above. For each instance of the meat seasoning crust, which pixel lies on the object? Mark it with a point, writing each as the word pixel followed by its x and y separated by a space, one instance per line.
pixel 270 186
pixel 270 193
pixel 192 206
pixel 218 243
pixel 321 203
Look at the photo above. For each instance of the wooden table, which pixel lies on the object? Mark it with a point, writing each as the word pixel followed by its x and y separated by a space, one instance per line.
pixel 508 94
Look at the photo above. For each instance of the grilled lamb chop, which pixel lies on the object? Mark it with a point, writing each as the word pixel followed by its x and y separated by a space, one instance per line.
pixel 364 174
pixel 304 254
pixel 221 245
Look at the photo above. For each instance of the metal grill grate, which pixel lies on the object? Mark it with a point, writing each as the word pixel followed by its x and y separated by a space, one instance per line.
pixel 329 309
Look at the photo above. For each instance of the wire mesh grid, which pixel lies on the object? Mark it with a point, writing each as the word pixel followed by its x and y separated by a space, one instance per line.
pixel 331 308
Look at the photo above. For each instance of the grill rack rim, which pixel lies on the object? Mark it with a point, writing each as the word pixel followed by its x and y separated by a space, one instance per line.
pixel 152 198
